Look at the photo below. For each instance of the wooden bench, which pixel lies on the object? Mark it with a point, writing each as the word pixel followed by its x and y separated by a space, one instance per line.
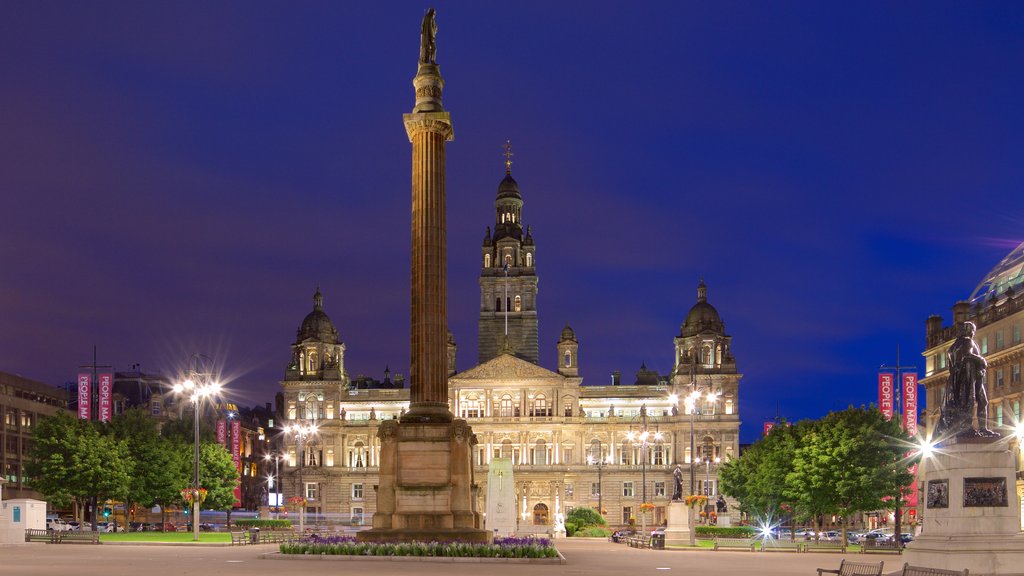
pixel 909 570
pixel 639 542
pixel 781 545
pixel 86 537
pixel 239 538
pixel 855 569
pixel 824 546
pixel 735 544
pixel 874 546
pixel 34 535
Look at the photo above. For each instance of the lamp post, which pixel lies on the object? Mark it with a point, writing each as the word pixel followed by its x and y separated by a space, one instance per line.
pixel 600 461
pixel 707 477
pixel 274 480
pixel 641 440
pixel 301 432
pixel 198 384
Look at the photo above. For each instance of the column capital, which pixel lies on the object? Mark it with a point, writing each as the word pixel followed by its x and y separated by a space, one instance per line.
pixel 436 122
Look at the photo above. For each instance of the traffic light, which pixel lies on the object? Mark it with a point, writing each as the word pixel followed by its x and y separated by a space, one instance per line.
pixel 106 512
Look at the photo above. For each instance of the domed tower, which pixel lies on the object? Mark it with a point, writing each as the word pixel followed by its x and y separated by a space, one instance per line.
pixel 508 278
pixel 568 353
pixel 317 353
pixel 702 340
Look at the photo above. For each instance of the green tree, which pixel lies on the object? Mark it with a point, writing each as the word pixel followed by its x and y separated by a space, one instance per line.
pixel 217 474
pixel 72 461
pixel 157 472
pixel 758 478
pixel 849 461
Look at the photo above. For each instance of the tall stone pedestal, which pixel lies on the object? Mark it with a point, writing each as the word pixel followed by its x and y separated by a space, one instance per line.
pixel 501 498
pixel 426 489
pixel 677 533
pixel 972 514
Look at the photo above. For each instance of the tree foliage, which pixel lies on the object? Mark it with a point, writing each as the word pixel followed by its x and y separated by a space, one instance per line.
pixel 847 462
pixel 72 461
pixel 583 517
pixel 156 470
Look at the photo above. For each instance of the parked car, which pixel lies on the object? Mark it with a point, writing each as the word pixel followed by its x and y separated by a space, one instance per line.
pixel 906 537
pixel 109 527
pixel 830 535
pixel 878 535
pixel 80 526
pixel 57 524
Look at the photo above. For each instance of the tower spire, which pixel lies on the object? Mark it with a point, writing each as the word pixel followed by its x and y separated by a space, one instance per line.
pixel 508 157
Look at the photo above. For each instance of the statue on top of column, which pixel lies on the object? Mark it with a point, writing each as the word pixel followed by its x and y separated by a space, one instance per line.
pixel 428 31
pixel 965 394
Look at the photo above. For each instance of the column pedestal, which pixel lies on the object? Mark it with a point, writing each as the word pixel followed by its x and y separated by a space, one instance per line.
pixel 972 514
pixel 677 533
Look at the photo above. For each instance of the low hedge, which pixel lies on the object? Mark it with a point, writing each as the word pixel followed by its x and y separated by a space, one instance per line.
pixel 726 531
pixel 266 523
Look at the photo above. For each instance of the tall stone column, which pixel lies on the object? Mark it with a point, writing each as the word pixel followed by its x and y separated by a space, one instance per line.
pixel 426 489
pixel 429 127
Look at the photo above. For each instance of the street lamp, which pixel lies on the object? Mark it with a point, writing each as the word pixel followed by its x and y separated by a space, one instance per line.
pixel 198 385
pixel 642 440
pixel 707 477
pixel 301 433
pixel 600 460
pixel 274 481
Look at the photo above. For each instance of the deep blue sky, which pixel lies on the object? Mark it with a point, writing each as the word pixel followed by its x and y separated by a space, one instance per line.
pixel 179 177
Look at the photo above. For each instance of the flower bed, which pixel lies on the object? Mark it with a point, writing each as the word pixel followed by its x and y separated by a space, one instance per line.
pixel 348 546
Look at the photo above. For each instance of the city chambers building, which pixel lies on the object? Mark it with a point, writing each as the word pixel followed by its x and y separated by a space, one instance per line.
pixel 612 447
pixel 996 307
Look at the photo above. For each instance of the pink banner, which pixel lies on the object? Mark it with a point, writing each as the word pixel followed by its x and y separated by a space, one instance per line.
pixel 768 427
pixel 885 396
pixel 106 385
pixel 910 403
pixel 84 396
pixel 910 492
pixel 222 433
pixel 236 457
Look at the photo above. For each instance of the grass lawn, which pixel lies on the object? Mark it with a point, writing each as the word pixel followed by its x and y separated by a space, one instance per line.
pixel 164 537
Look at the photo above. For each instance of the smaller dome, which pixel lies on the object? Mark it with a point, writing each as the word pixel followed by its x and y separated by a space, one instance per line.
pixel 568 333
pixel 703 317
pixel 509 188
pixel 317 324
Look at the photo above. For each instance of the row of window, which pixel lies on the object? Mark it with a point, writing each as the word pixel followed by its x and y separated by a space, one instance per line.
pixel 510 304
pixel 999 341
pixel 1014 372
pixel 508 260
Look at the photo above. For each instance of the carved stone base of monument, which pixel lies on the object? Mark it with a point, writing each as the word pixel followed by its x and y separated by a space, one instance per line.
pixel 724 520
pixel 971 517
pixel 677 532
pixel 426 491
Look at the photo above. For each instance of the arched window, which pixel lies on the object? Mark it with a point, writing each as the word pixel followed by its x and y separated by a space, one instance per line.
pixel 508 260
pixel 506 406
pixel 312 362
pixel 487 260
pixel 540 453
pixel 357 455
pixel 626 453
pixel 471 407
pixel 519 304
pixel 529 259
pixel 595 454
pixel 540 515
pixel 568 359
pixel 728 406
pixel 541 406
pixel 506 448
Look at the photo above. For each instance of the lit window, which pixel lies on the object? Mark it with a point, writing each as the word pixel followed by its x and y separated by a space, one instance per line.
pixel 984 345
pixel 311 491
pixel 728 406
pixel 1015 374
pixel 506 406
pixel 519 304
pixel 568 359
pixel 487 260
pixel 529 259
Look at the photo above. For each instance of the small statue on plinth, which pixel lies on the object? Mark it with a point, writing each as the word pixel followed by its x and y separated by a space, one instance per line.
pixel 720 505
pixel 677 475
pixel 965 391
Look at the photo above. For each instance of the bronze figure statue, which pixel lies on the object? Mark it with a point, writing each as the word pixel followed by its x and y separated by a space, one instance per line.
pixel 677 474
pixel 965 391
pixel 428 32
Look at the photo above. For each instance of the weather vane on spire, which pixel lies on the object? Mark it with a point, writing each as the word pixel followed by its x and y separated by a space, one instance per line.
pixel 508 157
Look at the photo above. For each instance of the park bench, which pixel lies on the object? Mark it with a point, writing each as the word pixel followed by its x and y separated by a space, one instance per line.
pixel 239 538
pixel 855 569
pixel 782 545
pixel 909 570
pixel 34 535
pixel 824 546
pixel 735 544
pixel 874 546
pixel 85 537
pixel 639 542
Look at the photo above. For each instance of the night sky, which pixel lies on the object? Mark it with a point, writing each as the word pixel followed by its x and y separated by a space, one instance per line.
pixel 179 177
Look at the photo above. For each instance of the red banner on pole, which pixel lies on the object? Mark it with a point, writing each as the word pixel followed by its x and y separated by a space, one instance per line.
pixel 106 386
pixel 885 394
pixel 222 433
pixel 910 403
pixel 236 457
pixel 768 427
pixel 84 396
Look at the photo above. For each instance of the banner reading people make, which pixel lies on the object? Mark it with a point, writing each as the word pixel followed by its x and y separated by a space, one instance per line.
pixel 84 396
pixel 909 395
pixel 885 394
pixel 236 457
pixel 106 385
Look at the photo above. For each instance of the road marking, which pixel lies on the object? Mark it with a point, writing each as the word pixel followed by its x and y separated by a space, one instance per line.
pixel 662 568
pixel 230 561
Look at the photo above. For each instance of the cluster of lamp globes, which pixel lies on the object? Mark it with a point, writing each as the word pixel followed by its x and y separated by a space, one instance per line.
pixel 197 391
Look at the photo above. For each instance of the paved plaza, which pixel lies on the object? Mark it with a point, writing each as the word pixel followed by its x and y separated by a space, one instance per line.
pixel 584 558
